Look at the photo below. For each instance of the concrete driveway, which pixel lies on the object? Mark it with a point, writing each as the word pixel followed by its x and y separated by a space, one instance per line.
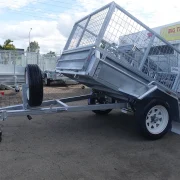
pixel 84 146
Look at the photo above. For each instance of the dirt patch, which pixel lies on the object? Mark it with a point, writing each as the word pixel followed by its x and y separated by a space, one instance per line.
pixel 53 92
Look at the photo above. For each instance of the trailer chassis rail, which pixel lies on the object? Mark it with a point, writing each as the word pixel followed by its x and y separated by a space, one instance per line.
pixel 55 106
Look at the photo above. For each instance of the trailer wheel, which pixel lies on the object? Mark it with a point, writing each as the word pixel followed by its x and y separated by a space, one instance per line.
pixel 154 119
pixel 33 77
pixel 101 100
pixel 47 81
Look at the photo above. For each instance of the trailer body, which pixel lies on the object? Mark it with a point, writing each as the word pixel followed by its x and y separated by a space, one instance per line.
pixel 128 66
pixel 112 51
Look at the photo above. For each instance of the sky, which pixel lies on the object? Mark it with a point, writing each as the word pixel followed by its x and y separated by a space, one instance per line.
pixel 52 21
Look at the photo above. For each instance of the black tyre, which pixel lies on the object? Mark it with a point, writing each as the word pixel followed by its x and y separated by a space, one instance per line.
pixel 33 77
pixel 47 81
pixel 154 119
pixel 101 100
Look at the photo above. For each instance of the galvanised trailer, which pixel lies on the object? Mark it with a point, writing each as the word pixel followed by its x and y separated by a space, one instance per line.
pixel 113 53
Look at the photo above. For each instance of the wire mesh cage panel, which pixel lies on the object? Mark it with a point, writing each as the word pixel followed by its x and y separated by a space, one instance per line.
pixel 133 44
pixel 32 58
pixel 13 63
pixel 11 69
pixel 21 59
pixel 47 62
pixel 116 32
pixel 11 57
pixel 76 37
pixel 86 31
pixel 50 63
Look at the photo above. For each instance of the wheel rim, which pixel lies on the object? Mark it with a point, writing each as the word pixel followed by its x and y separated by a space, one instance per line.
pixel 27 82
pixel 157 119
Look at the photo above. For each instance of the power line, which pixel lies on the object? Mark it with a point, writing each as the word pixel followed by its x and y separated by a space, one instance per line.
pixel 67 9
pixel 62 2
pixel 67 2
pixel 74 7
pixel 33 15
pixel 45 11
pixel 30 10
pixel 44 16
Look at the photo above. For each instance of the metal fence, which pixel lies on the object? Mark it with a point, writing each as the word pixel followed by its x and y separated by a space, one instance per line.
pixel 13 63
pixel 12 68
pixel 45 61
pixel 114 30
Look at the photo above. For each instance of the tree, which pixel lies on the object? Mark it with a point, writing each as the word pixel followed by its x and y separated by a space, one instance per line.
pixel 34 47
pixel 8 45
pixel 51 53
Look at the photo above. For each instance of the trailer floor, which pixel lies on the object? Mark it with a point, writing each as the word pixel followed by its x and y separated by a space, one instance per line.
pixel 83 146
